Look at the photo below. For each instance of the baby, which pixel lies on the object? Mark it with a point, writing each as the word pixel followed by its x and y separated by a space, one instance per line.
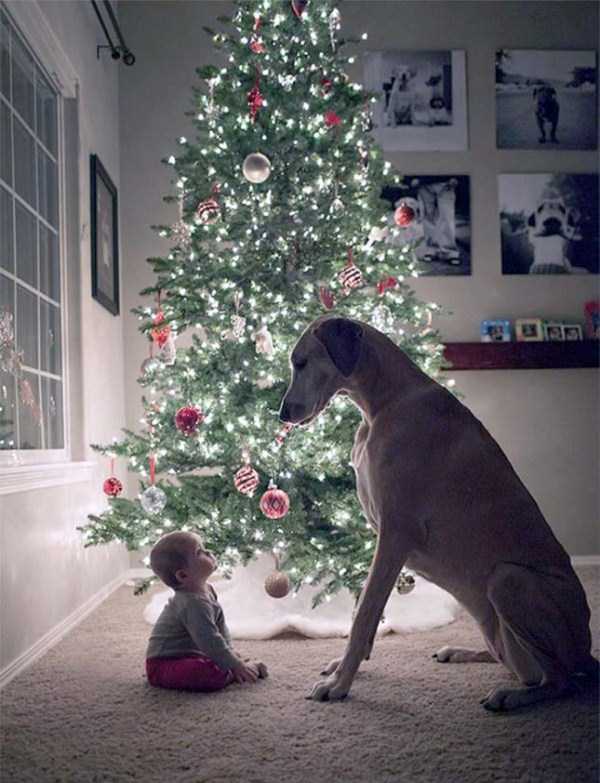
pixel 190 645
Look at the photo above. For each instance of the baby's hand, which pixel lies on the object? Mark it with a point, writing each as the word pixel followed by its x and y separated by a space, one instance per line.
pixel 245 673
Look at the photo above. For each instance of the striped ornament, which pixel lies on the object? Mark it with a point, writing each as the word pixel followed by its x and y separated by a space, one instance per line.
pixel 207 211
pixel 246 480
pixel 350 277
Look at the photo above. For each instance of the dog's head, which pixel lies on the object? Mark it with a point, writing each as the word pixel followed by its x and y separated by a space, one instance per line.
pixel 402 76
pixel 322 361
pixel 553 218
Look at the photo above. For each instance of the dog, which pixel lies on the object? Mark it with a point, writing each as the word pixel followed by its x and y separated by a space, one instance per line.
pixel 444 501
pixel 547 110
pixel 551 227
pixel 400 103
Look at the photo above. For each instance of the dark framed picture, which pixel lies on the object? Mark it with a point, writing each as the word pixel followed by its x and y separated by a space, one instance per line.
pixel 105 237
pixel 554 332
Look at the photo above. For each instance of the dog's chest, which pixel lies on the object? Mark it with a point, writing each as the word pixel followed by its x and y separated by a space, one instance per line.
pixel 360 465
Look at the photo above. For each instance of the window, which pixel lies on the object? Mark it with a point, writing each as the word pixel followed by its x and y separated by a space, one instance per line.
pixel 31 301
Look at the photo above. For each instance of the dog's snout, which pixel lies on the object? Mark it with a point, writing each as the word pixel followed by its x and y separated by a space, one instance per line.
pixel 552 225
pixel 291 413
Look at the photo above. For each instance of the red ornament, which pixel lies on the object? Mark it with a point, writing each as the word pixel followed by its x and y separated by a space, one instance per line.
pixel 255 101
pixel 112 487
pixel 246 480
pixel 188 418
pixel 385 283
pixel 350 277
pixel 327 298
pixel 162 331
pixel 404 215
pixel 326 85
pixel 256 45
pixel 298 7
pixel 207 211
pixel 332 119
pixel 275 503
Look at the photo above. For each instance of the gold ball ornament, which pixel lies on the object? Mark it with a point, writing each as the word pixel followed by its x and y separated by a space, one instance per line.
pixel 256 168
pixel 277 584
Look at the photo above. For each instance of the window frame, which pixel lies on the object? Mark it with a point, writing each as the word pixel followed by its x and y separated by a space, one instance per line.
pixel 30 24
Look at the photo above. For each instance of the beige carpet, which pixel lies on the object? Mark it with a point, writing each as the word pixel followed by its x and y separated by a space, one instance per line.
pixel 85 713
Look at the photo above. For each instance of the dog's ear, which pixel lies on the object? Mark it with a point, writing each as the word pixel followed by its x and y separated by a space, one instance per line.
pixel 531 221
pixel 342 339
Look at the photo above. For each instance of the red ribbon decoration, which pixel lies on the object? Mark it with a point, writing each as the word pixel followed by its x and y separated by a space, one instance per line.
pixel 152 468
pixel 385 283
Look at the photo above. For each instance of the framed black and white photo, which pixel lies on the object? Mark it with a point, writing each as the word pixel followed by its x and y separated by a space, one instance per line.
pixel 546 99
pixel 432 213
pixel 529 330
pixel 572 332
pixel 554 332
pixel 105 237
pixel 549 223
pixel 422 99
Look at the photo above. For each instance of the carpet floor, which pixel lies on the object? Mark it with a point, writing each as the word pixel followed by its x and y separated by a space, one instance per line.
pixel 84 713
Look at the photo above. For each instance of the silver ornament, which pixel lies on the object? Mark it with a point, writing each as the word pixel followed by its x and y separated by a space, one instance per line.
pixel 181 234
pixel 335 23
pixel 153 500
pixel 405 583
pixel 168 352
pixel 263 340
pixel 382 319
pixel 337 206
pixel 149 365
pixel 256 168
pixel 238 326
pixel 287 82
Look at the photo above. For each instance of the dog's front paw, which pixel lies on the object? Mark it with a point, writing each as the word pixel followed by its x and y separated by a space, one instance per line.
pixel 331 689
pixel 503 699
pixel 331 666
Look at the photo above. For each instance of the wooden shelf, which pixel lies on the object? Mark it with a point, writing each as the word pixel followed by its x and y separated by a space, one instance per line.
pixel 522 356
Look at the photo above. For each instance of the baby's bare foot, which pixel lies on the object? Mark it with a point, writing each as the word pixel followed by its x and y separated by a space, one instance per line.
pixel 261 669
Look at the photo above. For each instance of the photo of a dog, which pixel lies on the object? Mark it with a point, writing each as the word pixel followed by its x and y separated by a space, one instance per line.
pixel 546 97
pixel 549 223
pixel 440 228
pixel 422 98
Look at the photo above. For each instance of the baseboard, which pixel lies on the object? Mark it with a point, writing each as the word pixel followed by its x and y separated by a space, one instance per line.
pixel 62 629
pixel 585 560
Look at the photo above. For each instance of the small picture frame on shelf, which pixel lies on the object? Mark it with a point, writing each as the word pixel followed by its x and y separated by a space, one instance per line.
pixel 554 332
pixel 529 330
pixel 572 332
pixel 495 331
pixel 592 319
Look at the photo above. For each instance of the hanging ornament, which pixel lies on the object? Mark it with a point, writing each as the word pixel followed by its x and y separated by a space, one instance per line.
pixel 208 211
pixel 283 433
pixel 384 284
pixel 326 85
pixel 264 341
pixel 299 7
pixel 210 101
pixel 181 232
pixel 255 98
pixel 246 480
pixel 405 583
pixel 277 584
pixel 350 277
pixel 337 206
pixel 238 326
pixel 112 487
pixel 335 24
pixel 168 353
pixel 332 119
pixel 327 298
pixel 382 319
pixel 153 500
pixel 274 503
pixel 149 365
pixel 256 45
pixel 188 419
pixel 287 81
pixel 376 234
pixel 266 382
pixel 256 168
pixel 161 332
pixel 404 215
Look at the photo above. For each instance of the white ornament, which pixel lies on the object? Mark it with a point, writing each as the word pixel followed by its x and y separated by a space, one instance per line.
pixel 335 23
pixel 149 365
pixel 153 500
pixel 337 205
pixel 168 352
pixel 376 234
pixel 263 340
pixel 382 319
pixel 265 383
pixel 256 168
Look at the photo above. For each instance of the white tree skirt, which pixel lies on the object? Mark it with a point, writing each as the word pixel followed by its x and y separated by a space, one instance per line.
pixel 251 613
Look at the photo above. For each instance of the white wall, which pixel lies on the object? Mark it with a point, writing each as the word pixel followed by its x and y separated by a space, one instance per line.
pixel 546 420
pixel 45 573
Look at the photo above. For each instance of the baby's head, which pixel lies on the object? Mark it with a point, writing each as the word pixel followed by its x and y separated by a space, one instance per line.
pixel 180 560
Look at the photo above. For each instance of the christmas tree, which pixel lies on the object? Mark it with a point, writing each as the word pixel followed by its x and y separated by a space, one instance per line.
pixel 280 220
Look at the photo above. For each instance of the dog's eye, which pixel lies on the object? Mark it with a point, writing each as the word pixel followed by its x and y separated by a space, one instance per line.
pixel 299 364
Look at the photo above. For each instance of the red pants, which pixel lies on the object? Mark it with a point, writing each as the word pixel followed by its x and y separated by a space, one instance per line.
pixel 192 674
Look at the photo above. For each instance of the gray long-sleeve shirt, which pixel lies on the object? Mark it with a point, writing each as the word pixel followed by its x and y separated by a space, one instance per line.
pixel 192 624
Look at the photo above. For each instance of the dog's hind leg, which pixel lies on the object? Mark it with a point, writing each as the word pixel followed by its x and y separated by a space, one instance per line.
pixel 542 633
pixel 460 655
